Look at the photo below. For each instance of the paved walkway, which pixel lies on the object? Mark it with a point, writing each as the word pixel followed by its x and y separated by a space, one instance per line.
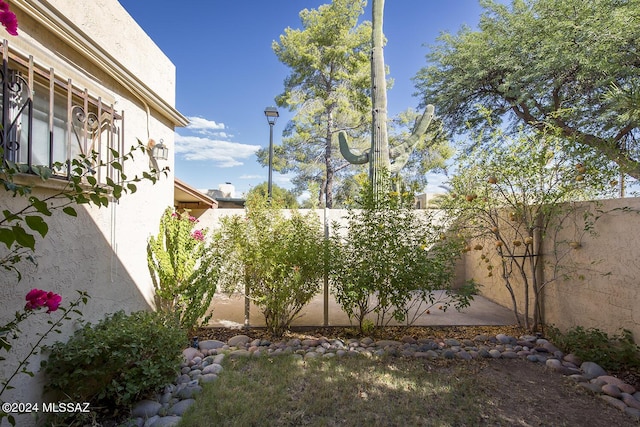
pixel 229 312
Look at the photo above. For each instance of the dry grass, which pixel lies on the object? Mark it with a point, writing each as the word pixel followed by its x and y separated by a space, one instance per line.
pixel 284 391
pixel 354 391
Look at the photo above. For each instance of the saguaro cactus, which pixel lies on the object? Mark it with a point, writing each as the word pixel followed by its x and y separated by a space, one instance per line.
pixel 379 155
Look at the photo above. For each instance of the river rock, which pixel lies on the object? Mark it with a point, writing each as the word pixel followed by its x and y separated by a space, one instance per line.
pixel 181 407
pixel 592 370
pixel 238 340
pixel 146 409
pixel 210 345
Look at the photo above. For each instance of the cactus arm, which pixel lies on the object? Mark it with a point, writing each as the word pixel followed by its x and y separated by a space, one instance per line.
pixel 350 156
pixel 404 149
pixel 401 153
pixel 398 163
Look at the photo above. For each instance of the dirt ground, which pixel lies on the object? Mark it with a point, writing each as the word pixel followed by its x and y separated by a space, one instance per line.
pixel 523 393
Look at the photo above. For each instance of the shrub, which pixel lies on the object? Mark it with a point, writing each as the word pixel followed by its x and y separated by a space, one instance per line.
pixel 276 260
pixel 184 267
pixel 118 361
pixel 594 345
pixel 390 259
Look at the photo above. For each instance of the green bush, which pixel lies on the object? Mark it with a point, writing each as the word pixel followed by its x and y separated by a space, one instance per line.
pixel 593 345
pixel 389 260
pixel 277 261
pixel 184 266
pixel 118 361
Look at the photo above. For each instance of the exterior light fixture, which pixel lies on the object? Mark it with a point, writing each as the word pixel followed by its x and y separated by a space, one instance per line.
pixel 271 113
pixel 159 151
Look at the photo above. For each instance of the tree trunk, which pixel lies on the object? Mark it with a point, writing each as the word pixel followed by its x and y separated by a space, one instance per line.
pixel 537 267
pixel 328 191
pixel 321 197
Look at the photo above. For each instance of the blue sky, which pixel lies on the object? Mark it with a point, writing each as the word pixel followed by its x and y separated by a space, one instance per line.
pixel 226 73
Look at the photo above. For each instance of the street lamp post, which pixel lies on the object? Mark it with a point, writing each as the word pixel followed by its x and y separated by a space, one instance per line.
pixel 272 114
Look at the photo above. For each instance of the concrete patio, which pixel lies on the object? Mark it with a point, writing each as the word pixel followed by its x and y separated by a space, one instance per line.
pixel 229 312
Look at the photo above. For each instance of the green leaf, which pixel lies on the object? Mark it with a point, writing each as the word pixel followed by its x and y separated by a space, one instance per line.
pixel 92 180
pixel 8 215
pixel 117 166
pixel 95 199
pixel 117 191
pixel 40 206
pixel 7 237
pixel 70 211
pixel 42 171
pixel 36 223
pixel 132 187
pixel 82 199
pixel 23 238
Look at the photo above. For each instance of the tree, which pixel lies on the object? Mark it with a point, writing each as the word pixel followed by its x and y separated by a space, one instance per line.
pixel 285 198
pixel 568 64
pixel 508 199
pixel 327 88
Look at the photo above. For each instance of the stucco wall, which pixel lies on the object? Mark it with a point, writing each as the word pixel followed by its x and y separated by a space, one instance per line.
pixel 597 285
pixel 229 311
pixel 102 251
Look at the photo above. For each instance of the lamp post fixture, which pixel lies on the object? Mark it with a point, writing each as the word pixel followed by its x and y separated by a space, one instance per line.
pixel 271 113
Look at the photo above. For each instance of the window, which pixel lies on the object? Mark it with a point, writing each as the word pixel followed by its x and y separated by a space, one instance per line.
pixel 49 121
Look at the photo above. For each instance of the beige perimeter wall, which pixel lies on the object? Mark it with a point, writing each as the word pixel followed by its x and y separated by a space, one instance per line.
pixel 598 284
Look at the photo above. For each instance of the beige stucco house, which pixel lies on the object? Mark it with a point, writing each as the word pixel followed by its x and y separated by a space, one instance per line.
pixel 90 79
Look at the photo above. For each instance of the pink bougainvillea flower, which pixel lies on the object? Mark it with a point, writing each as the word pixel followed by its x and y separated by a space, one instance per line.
pixel 193 219
pixel 8 19
pixel 53 302
pixel 36 298
pixel 174 215
pixel 198 235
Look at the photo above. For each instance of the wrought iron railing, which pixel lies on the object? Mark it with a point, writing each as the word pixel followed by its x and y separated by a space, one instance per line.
pixel 49 121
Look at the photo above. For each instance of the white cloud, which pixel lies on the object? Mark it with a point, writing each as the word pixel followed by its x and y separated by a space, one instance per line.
pixel 283 179
pixel 225 154
pixel 435 181
pixel 251 176
pixel 306 195
pixel 203 126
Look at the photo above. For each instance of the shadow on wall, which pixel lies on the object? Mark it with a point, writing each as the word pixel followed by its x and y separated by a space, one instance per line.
pixel 77 254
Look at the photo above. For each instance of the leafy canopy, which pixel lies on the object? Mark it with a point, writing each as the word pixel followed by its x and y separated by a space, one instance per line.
pixel 389 261
pixel 511 195
pixel 283 197
pixel 184 264
pixel 569 64
pixel 327 88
